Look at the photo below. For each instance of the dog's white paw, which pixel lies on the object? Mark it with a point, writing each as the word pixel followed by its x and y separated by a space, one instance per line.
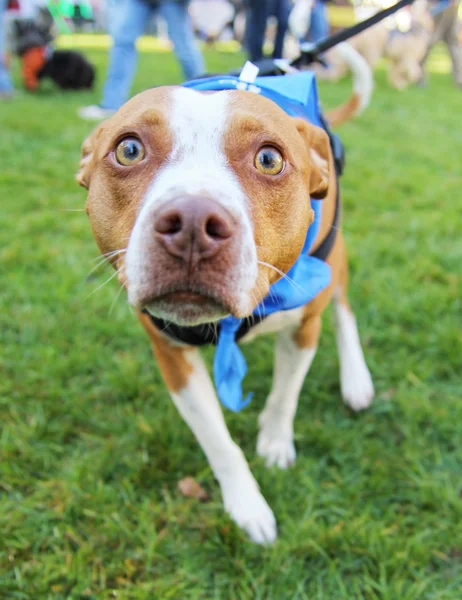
pixel 247 507
pixel 357 387
pixel 276 448
pixel 355 379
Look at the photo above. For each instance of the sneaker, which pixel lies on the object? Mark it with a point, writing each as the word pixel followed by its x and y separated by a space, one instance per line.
pixel 95 112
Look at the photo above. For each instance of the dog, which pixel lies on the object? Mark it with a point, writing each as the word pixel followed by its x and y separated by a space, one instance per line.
pixel 201 202
pixel 31 40
pixel 404 50
pixel 70 70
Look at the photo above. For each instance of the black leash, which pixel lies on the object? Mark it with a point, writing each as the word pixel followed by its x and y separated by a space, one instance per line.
pixel 311 52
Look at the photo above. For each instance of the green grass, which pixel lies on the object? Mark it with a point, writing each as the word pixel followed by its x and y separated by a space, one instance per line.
pixel 91 447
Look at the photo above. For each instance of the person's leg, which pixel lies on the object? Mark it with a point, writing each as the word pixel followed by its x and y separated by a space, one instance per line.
pixel 422 82
pixel 282 15
pixel 180 31
pixel 257 15
pixel 128 21
pixel 451 39
pixel 6 84
pixel 319 26
pixel 437 36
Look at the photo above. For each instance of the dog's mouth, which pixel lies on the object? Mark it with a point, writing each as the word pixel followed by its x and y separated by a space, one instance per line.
pixel 188 306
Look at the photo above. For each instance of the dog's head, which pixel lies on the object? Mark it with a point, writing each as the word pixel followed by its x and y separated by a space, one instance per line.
pixel 208 193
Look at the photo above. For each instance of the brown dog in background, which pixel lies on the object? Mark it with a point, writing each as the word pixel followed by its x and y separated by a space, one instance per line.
pixel 404 51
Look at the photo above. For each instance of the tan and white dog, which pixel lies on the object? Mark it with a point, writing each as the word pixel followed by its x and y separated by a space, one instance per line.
pixel 404 50
pixel 201 202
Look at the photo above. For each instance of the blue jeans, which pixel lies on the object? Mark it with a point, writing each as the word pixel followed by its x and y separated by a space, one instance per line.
pixel 257 16
pixel 319 27
pixel 128 21
pixel 6 85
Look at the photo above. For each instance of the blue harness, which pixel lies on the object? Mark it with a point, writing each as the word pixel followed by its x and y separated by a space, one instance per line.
pixel 297 95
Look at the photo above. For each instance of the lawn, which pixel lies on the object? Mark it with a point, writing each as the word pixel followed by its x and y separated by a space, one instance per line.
pixel 92 449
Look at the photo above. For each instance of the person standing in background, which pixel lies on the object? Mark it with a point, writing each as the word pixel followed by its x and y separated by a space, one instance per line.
pixel 128 21
pixel 445 16
pixel 257 16
pixel 319 24
pixel 6 83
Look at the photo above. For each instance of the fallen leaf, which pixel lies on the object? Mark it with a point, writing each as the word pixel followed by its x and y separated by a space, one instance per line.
pixel 388 394
pixel 191 489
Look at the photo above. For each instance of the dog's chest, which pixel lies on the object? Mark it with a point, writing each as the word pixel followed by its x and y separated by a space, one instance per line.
pixel 285 319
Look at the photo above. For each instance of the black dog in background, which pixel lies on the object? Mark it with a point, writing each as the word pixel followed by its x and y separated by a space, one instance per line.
pixel 32 38
pixel 70 70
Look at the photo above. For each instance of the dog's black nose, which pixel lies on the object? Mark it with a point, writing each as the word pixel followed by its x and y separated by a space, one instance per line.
pixel 193 228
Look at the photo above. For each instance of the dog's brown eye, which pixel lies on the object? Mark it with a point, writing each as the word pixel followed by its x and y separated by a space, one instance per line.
pixel 129 152
pixel 269 161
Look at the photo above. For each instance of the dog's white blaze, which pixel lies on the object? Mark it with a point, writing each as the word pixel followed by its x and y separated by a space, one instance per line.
pixel 198 165
pixel 199 407
pixel 355 379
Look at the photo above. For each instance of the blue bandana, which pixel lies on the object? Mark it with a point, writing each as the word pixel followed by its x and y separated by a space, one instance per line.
pixel 297 95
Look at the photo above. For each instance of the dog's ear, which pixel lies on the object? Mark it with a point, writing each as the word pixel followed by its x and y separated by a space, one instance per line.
pixel 317 142
pixel 83 175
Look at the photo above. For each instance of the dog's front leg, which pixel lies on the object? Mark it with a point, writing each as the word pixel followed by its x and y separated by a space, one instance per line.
pixel 292 361
pixel 193 394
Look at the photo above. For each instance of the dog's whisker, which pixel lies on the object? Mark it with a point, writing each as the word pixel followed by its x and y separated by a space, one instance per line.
pixel 117 296
pixel 265 264
pixel 271 294
pixel 102 262
pixel 295 285
pixel 213 328
pixel 104 259
pixel 103 284
pixel 73 209
pixel 107 255
pixel 257 307
pixel 167 325
pixel 96 267
pixel 250 320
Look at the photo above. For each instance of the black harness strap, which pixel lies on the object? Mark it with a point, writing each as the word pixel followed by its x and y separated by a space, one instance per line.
pixel 323 250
